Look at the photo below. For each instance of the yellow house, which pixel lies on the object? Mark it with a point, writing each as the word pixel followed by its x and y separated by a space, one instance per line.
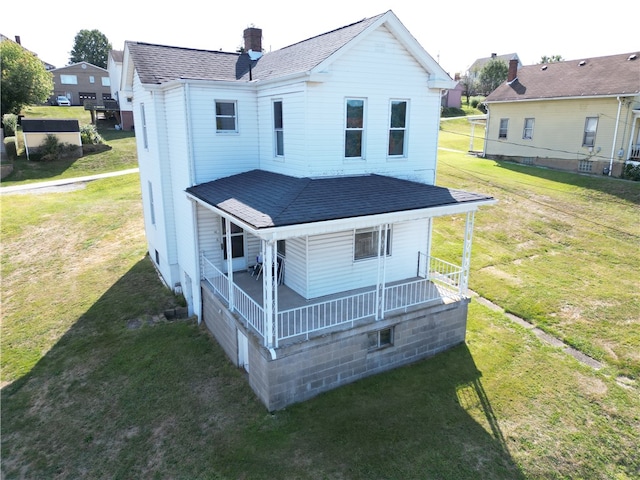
pixel 577 115
pixel 67 131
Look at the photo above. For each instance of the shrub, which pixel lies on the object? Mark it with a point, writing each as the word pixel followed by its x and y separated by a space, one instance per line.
pixel 631 172
pixel 10 123
pixel 474 103
pixel 90 136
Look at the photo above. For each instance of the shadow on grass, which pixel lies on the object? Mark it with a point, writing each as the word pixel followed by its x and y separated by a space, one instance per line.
pixel 164 401
pixel 624 189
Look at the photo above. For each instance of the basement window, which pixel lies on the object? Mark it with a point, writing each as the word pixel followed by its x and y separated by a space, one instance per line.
pixel 380 339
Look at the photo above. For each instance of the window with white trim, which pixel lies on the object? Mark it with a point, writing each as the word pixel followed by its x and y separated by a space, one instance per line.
pixel 590 127
pixel 143 120
pixel 69 79
pixel 226 120
pixel 504 126
pixel 354 128
pixel 152 208
pixel 278 129
pixel 527 132
pixel 92 79
pixel 106 81
pixel 366 243
pixel 397 128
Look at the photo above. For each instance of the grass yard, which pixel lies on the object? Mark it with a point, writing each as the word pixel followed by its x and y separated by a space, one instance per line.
pixel 86 396
pixel 121 154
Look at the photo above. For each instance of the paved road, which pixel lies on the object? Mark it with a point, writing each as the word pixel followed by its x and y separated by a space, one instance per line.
pixel 65 182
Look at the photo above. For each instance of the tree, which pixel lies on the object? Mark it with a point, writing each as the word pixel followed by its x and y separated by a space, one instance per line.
pixel 551 59
pixel 25 80
pixel 90 46
pixel 469 86
pixel 492 75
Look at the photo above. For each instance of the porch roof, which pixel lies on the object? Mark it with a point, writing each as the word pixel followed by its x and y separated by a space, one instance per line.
pixel 264 200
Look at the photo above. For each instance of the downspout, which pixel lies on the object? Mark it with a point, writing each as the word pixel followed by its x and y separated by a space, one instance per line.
pixel 486 132
pixel 187 103
pixel 615 136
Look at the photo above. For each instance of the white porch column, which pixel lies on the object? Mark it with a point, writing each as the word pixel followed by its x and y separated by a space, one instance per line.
pixel 382 264
pixel 270 292
pixel 227 229
pixel 466 253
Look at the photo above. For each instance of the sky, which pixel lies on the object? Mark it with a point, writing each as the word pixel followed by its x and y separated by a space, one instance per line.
pixel 454 33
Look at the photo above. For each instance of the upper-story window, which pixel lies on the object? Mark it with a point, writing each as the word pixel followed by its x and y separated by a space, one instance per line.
pixel 398 128
pixel 69 79
pixel 590 127
pixel 354 128
pixel 527 132
pixel 504 126
pixel 226 120
pixel 92 79
pixel 106 82
pixel 278 129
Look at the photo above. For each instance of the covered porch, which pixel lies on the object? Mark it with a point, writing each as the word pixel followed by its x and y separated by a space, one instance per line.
pixel 357 250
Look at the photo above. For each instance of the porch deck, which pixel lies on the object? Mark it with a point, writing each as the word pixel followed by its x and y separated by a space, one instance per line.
pixel 298 318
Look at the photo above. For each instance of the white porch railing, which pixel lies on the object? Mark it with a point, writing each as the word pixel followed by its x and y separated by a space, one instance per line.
pixel 439 280
pixel 635 152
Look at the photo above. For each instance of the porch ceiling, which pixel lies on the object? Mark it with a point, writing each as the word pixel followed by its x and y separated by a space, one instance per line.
pixel 265 200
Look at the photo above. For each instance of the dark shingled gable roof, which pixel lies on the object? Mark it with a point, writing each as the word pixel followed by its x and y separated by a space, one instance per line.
pixel 600 76
pixel 157 64
pixel 264 199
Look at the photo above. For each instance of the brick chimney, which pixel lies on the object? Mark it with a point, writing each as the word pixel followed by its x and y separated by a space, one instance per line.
pixel 253 39
pixel 513 70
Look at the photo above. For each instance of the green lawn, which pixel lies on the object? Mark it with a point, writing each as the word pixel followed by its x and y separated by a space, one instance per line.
pixel 85 396
pixel 120 154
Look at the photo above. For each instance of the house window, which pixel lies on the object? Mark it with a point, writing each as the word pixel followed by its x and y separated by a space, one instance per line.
pixel 397 128
pixel 278 132
pixel 237 240
pixel 366 243
pixel 527 133
pixel 143 118
pixel 151 206
pixel 354 129
pixel 68 79
pixel 92 79
pixel 504 126
pixel 106 82
pixel 590 127
pixel 226 116
pixel 380 339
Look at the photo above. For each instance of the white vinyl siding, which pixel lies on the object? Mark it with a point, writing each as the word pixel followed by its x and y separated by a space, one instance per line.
pixel 331 268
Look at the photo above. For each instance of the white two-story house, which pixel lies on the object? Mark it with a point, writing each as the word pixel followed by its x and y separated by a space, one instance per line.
pixel 290 196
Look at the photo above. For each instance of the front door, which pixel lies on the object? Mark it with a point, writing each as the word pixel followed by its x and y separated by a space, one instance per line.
pixel 237 247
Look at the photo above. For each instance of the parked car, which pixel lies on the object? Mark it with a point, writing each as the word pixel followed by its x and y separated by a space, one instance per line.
pixel 63 101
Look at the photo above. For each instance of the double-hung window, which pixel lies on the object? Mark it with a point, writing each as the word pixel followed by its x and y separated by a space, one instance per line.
pixel 590 127
pixel 367 244
pixel 504 126
pixel 397 128
pixel 226 120
pixel 527 132
pixel 278 129
pixel 354 128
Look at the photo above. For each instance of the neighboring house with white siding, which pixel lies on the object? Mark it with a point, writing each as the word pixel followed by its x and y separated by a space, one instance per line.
pixel 290 196
pixel 123 97
pixel 579 115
